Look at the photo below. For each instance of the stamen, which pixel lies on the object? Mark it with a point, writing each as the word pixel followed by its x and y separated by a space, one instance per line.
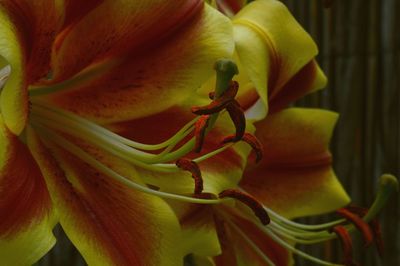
pixel 347 245
pixel 361 225
pixel 200 132
pixel 374 225
pixel 206 195
pixel 251 140
pixel 376 229
pixel 54 139
pixel 220 103
pixel 237 115
pixel 250 201
pixel 193 168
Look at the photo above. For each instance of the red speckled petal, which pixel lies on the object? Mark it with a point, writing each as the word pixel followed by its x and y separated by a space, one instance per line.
pixel 274 49
pixel 109 223
pixel 29 28
pixel 25 207
pixel 154 77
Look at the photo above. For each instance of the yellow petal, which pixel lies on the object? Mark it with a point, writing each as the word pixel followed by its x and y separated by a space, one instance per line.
pixel 25 207
pixel 199 233
pixel 271 46
pixel 107 222
pixel 295 176
pixel 155 77
pixel 27 30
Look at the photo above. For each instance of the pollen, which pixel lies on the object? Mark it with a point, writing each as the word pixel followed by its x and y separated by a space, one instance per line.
pixel 359 223
pixel 248 200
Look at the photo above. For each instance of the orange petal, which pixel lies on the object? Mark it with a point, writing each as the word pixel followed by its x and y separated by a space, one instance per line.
pixel 109 223
pixel 129 31
pixel 29 28
pixel 295 175
pixel 308 79
pixel 25 207
pixel 156 76
pixel 75 10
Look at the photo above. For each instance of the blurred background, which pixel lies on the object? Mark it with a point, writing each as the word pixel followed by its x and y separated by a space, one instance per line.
pixel 359 43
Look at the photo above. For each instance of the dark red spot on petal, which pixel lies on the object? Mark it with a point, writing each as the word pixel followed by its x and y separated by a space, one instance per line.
pixel 250 201
pixel 193 168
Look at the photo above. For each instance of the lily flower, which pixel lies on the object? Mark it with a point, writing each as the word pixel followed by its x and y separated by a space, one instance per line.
pixel 96 119
pixel 294 178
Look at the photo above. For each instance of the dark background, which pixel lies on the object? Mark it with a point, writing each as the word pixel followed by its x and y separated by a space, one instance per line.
pixel 359 43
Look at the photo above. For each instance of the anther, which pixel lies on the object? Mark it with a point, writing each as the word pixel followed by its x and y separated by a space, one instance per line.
pixel 376 229
pixel 374 225
pixel 251 140
pixel 250 201
pixel 360 224
pixel 237 115
pixel 200 132
pixel 220 103
pixel 347 245
pixel 193 168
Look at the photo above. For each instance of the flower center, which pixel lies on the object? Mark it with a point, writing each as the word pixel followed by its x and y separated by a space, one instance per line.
pixel 59 126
